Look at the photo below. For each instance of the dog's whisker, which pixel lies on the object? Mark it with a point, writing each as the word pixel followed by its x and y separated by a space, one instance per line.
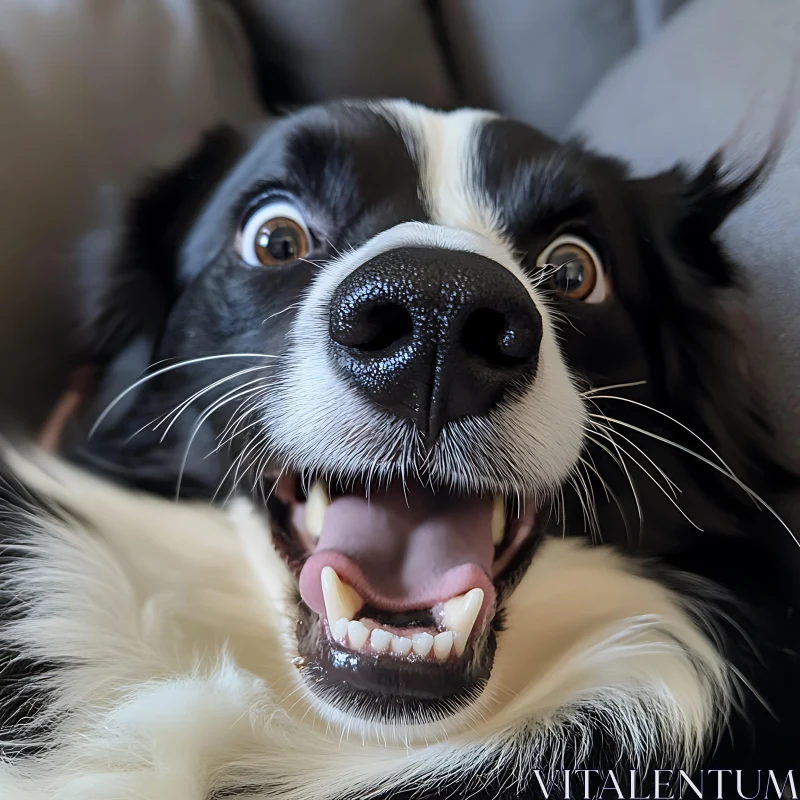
pixel 605 432
pixel 247 407
pixel 228 397
pixel 240 464
pixel 591 462
pixel 182 364
pixel 674 488
pixel 670 418
pixel 290 307
pixel 726 471
pixel 610 493
pixel 595 390
pixel 144 427
pixel 589 484
pixel 573 481
pixel 177 412
pixel 261 465
pixel 624 468
pixel 235 434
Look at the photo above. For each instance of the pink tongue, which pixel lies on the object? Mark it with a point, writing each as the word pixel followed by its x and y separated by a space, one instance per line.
pixel 404 551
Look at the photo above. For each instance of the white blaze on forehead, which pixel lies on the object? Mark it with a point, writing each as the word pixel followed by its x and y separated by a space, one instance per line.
pixel 443 145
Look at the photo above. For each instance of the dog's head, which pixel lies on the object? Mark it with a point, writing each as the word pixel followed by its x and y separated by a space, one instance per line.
pixel 429 340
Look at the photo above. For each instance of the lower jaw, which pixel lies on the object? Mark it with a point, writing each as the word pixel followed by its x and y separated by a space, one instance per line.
pixel 382 690
pixel 396 693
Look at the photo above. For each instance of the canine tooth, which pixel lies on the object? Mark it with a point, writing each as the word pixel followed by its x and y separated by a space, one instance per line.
pixel 422 643
pixel 380 640
pixel 358 634
pixel 340 630
pixel 442 645
pixel 498 519
pixel 401 645
pixel 316 505
pixel 341 600
pixel 460 614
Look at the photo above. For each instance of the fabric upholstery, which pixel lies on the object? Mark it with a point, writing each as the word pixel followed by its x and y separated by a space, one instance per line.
pixel 77 116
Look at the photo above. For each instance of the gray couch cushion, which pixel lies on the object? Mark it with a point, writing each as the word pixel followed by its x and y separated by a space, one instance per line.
pixel 92 93
pixel 719 74
pixel 536 61
pixel 353 48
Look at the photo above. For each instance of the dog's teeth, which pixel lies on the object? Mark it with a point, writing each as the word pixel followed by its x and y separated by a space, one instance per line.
pixel 380 640
pixel 340 630
pixel 341 600
pixel 442 645
pixel 401 645
pixel 316 505
pixel 459 615
pixel 498 519
pixel 422 643
pixel 358 634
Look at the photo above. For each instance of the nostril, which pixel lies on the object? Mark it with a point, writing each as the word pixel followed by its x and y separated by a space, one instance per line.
pixel 372 327
pixel 499 340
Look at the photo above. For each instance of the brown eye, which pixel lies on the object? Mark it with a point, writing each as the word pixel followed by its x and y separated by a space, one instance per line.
pixel 574 269
pixel 273 235
pixel 279 241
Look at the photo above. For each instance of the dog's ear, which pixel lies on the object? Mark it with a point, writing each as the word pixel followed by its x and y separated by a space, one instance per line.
pixel 129 284
pixel 696 337
pixel 128 265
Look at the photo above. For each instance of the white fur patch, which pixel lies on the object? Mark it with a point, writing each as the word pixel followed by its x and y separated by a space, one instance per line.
pixel 175 619
pixel 443 146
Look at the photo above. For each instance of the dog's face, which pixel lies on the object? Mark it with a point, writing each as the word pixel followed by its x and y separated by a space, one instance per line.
pixel 404 323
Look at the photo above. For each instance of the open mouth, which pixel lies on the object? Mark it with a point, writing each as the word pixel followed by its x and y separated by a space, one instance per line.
pixel 399 587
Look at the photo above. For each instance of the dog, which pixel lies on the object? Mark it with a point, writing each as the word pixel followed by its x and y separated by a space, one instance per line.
pixel 471 472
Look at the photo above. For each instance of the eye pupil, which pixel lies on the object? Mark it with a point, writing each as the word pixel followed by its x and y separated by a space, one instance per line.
pixel 569 277
pixel 280 241
pixel 575 271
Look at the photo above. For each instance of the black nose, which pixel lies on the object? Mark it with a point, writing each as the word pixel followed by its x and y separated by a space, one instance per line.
pixel 434 335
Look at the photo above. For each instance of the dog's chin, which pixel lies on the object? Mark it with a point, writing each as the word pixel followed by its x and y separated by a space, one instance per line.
pixel 399 635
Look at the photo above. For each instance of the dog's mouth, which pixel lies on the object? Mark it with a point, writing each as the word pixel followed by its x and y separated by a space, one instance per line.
pixel 399 589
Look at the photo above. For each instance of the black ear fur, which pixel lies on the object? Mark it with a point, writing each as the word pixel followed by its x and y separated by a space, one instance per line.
pixel 130 281
pixel 696 335
pixel 129 267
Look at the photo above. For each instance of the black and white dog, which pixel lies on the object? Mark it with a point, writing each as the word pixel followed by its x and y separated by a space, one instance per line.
pixel 488 472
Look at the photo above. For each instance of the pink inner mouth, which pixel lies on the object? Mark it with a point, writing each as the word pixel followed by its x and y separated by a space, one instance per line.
pixel 404 549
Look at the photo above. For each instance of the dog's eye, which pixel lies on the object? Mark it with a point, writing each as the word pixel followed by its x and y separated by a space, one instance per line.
pixel 274 234
pixel 574 269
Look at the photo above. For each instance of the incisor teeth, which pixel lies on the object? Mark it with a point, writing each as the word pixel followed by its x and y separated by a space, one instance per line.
pixel 316 505
pixel 422 643
pixel 401 645
pixel 442 645
pixel 341 600
pixel 358 634
pixel 459 615
pixel 340 630
pixel 380 640
pixel 498 519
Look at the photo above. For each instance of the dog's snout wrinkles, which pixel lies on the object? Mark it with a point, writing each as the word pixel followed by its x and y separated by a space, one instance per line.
pixel 434 335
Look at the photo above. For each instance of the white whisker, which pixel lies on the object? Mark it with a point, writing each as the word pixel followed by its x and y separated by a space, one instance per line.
pixel 726 471
pixel 122 395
